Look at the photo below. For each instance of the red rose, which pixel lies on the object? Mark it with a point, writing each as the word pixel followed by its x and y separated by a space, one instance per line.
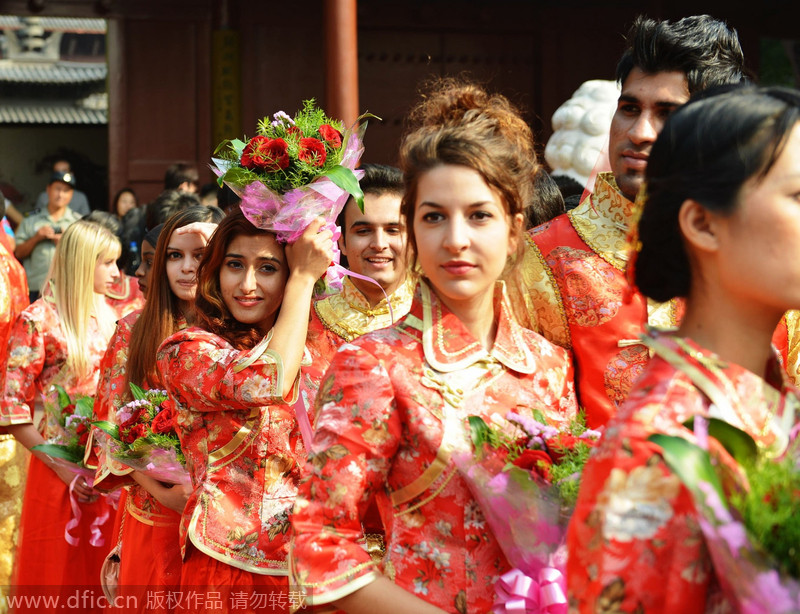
pixel 135 432
pixel 295 131
pixel 68 410
pixel 535 461
pixel 82 431
pixel 312 151
pixel 330 135
pixel 164 421
pixel 265 154
pixel 133 420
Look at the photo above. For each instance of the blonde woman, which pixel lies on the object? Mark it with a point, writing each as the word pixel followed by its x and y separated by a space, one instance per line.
pixel 60 339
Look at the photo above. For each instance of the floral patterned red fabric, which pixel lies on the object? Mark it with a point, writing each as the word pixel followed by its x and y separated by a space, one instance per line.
pixel 392 409
pixel 573 279
pixel 242 445
pixel 36 360
pixel 344 317
pixel 150 554
pixel 634 541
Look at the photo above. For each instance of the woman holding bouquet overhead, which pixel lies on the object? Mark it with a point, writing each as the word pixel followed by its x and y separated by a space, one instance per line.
pixel 59 340
pixel 720 227
pixel 233 379
pixel 148 540
pixel 394 405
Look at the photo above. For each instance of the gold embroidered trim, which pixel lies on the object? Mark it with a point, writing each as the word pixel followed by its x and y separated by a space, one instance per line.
pixel 594 222
pixel 149 518
pixel 348 315
pixel 247 429
pixel 566 342
pixel 429 498
pixel 421 484
pixel 279 568
pixel 257 352
pixel 343 591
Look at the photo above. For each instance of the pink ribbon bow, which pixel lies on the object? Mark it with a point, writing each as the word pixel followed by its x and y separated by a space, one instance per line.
pixel 97 540
pixel 517 593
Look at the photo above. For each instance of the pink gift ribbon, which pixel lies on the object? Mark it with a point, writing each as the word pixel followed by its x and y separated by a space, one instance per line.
pixel 97 540
pixel 517 593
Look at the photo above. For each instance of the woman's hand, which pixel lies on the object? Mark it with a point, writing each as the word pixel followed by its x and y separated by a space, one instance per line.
pixel 204 229
pixel 172 496
pixel 312 253
pixel 84 493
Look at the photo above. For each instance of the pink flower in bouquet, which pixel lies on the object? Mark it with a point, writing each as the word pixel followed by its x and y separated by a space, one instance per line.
pixel 330 135
pixel 265 154
pixel 312 151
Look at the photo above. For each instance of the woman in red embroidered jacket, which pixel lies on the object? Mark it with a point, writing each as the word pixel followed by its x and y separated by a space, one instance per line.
pixel 234 379
pixel 150 512
pixel 60 339
pixel 721 227
pixel 394 403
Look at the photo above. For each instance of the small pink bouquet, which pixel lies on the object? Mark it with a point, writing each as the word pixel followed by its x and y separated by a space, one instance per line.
pixel 747 500
pixel 526 481
pixel 145 439
pixel 293 171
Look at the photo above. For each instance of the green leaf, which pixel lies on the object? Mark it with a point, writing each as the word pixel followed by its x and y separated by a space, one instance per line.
pixel 739 444
pixel 138 393
pixel 84 407
pixel 107 427
pixel 690 463
pixel 479 431
pixel 346 179
pixel 63 397
pixel 56 451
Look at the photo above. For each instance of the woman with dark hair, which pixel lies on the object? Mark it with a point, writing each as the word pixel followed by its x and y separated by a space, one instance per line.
pixel 720 227
pixel 395 403
pixel 233 379
pixel 150 511
pixel 123 201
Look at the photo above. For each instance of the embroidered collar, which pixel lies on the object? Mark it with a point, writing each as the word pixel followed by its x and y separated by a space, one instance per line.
pixel 447 344
pixel 738 396
pixel 349 315
pixel 602 221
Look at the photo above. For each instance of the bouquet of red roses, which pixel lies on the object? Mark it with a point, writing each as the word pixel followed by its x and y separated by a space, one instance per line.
pixel 293 171
pixel 145 439
pixel 525 479
pixel 747 500
pixel 68 421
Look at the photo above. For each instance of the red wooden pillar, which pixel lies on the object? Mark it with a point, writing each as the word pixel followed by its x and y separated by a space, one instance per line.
pixel 341 60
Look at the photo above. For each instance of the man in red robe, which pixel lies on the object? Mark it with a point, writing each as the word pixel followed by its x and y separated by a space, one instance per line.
pixel 574 272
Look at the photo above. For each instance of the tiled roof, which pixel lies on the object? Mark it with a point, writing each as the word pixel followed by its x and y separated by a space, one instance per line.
pixel 62 72
pixel 57 24
pixel 38 113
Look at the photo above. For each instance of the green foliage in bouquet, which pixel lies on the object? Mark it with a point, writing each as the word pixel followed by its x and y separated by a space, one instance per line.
pixel 771 508
pixel 73 417
pixel 552 455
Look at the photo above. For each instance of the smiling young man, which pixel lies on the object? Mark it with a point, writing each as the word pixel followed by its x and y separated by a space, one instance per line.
pixel 574 270
pixel 373 245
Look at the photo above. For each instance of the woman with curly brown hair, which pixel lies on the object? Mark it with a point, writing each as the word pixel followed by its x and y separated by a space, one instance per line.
pixel 395 403
pixel 233 379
